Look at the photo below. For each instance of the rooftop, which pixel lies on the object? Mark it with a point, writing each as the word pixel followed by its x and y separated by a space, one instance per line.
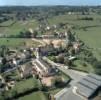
pixel 88 85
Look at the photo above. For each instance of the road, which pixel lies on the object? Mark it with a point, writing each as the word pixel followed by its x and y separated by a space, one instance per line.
pixel 75 75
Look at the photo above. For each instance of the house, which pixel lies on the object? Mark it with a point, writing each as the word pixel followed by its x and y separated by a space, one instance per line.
pixel 2 84
pixel 44 50
pixel 71 58
pixel 48 36
pixel 47 28
pixel 0 60
pixel 88 86
pixel 76 46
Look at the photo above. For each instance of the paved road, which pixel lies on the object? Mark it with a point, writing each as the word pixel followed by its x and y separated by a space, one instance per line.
pixel 75 75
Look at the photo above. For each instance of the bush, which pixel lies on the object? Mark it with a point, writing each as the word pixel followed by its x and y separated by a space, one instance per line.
pixel 87 18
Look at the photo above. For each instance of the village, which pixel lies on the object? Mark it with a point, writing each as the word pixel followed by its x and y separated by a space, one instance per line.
pixel 48 66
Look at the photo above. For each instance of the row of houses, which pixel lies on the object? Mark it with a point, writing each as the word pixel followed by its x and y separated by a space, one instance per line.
pixel 43 68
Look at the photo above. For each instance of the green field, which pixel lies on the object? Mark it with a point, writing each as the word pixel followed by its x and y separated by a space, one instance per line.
pixel 79 66
pixel 18 42
pixel 92 38
pixel 26 84
pixel 34 96
pixel 17 27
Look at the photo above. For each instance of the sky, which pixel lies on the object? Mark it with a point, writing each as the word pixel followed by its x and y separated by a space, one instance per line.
pixel 49 2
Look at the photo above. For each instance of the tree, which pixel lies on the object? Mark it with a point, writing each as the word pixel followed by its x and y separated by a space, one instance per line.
pixel 4 61
pixel 67 62
pixel 72 51
pixel 35 34
pixel 3 50
pixel 60 59
pixel 97 67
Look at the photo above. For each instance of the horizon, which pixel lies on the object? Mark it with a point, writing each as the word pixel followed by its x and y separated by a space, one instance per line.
pixel 50 3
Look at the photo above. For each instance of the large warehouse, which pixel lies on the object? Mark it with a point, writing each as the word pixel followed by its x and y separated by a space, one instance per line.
pixel 88 86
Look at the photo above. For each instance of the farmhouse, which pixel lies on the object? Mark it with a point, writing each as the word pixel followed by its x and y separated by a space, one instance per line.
pixel 88 86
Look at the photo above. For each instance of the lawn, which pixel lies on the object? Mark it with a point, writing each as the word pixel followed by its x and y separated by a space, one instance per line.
pixel 35 96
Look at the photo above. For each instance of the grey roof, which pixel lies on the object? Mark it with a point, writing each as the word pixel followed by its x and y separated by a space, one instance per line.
pixel 93 80
pixel 97 77
pixel 84 91
pixel 27 70
pixel 88 85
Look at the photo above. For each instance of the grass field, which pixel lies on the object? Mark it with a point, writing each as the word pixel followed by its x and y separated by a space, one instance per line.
pixel 79 66
pixel 26 84
pixel 92 38
pixel 17 26
pixel 18 42
pixel 34 96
